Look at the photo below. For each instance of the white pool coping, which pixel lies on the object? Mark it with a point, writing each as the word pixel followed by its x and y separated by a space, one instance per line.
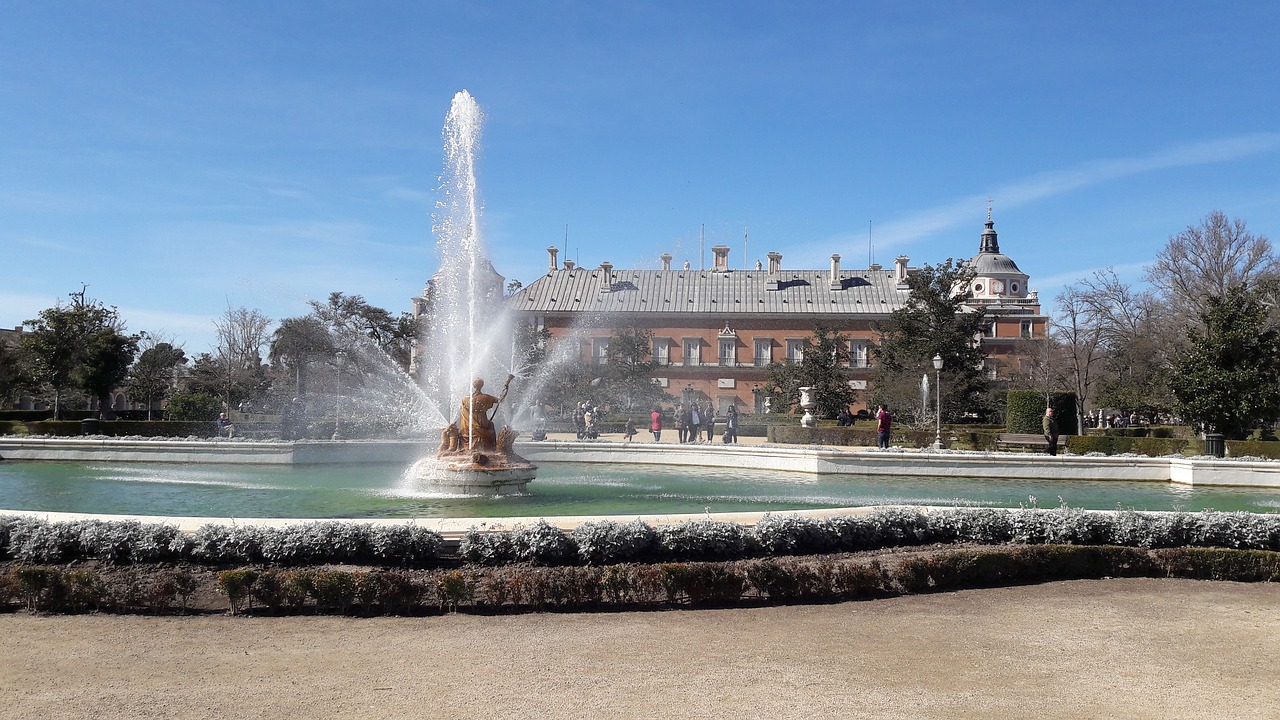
pixel 818 460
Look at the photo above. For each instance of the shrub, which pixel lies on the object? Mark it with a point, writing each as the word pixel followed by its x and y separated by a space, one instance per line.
pixel 455 588
pixel 605 542
pixel 227 544
pixel 495 588
pixel 487 548
pixel 403 544
pixel 394 591
pixel 794 535
pixel 271 589
pixel 705 540
pixel 39 586
pixel 615 581
pixel 37 541
pixel 543 544
pixel 236 585
pixel 334 589
pixel 161 592
pixel 126 591
pixel 713 583
pixel 184 585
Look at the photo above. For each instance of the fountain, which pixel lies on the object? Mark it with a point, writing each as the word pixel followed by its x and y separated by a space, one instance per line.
pixel 473 458
pixel 467 332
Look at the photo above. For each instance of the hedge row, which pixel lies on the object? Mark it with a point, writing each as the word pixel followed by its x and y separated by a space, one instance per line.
pixel 1253 448
pixel 113 428
pixel 122 542
pixel 607 543
pixel 521 588
pixel 1118 445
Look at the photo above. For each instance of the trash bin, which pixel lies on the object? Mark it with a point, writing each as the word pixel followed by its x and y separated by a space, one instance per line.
pixel 89 426
pixel 1214 445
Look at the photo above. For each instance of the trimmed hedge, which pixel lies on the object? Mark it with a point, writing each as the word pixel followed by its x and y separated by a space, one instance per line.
pixel 1119 445
pixel 824 578
pixel 608 543
pixel 1024 410
pixel 1253 448
pixel 842 436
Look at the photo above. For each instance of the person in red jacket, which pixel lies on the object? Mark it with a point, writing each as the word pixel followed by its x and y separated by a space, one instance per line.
pixel 884 421
pixel 655 424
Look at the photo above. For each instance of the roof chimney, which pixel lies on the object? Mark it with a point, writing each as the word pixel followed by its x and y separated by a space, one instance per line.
pixel 900 268
pixel 721 261
pixel 552 252
pixel 568 264
pixel 835 273
pixel 666 261
pixel 775 262
pixel 606 269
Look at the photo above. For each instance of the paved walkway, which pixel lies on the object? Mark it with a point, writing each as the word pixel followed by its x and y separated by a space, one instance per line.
pixel 1085 649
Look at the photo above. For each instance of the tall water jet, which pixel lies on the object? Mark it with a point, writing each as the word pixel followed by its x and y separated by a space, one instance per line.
pixel 469 333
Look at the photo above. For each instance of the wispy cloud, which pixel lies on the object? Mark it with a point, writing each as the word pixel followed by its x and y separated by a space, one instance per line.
pixel 1059 182
pixel 1052 283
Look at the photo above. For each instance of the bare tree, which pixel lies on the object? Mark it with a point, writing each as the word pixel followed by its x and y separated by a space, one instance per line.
pixel 1080 348
pixel 242 335
pixel 1206 260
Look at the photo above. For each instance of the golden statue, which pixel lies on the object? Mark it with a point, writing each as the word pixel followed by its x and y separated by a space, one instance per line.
pixel 474 423
pixel 473 457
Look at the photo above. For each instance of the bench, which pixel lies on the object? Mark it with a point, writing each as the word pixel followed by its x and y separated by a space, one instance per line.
pixel 1027 442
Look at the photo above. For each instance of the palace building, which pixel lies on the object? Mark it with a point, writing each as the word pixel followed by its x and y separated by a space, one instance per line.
pixel 715 330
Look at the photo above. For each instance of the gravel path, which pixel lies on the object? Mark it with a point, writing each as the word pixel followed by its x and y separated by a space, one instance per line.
pixel 1086 649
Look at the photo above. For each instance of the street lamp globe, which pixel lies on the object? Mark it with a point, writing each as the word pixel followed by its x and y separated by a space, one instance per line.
pixel 937 403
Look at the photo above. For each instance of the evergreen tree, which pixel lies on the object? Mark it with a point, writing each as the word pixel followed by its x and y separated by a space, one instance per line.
pixel 823 366
pixel 1228 378
pixel 81 345
pixel 935 321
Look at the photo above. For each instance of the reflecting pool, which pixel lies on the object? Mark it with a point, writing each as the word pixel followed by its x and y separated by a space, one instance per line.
pixel 378 491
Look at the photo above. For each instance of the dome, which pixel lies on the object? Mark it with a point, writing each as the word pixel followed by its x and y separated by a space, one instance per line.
pixel 987 263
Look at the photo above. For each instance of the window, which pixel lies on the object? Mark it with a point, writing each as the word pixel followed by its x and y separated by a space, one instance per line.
pixel 795 350
pixel 662 351
pixel 1026 328
pixel 692 351
pixel 858 355
pixel 763 351
pixel 600 351
pixel 728 353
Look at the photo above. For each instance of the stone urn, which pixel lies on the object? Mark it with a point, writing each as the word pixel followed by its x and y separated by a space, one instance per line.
pixel 808 403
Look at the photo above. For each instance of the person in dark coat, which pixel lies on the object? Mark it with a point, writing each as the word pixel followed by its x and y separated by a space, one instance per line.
pixel 1050 424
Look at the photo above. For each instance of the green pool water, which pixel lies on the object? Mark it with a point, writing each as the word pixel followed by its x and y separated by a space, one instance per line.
pixel 372 491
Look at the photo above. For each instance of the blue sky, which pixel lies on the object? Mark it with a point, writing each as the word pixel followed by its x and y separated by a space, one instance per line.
pixel 183 157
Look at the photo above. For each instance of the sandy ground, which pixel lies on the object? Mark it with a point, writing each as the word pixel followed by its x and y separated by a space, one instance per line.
pixel 1086 649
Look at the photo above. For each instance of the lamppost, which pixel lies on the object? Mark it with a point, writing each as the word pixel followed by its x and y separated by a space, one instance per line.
pixel 937 403
pixel 341 359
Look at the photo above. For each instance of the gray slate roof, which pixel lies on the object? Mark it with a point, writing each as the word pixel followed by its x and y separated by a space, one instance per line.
pixel 707 292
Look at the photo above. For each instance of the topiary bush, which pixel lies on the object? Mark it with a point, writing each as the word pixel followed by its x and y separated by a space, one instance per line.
pixel 1025 411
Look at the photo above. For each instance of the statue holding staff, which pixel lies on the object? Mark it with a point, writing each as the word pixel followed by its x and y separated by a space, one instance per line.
pixel 474 420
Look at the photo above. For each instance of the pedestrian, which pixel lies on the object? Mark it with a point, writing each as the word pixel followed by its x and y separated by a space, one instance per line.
pixel 580 420
pixel 731 424
pixel 224 425
pixel 695 424
pixel 682 424
pixel 1050 425
pixel 709 422
pixel 884 424
pixel 655 424
pixel 629 431
pixel 589 422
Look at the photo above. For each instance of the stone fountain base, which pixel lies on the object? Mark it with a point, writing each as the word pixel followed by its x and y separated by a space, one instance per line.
pixel 474 473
